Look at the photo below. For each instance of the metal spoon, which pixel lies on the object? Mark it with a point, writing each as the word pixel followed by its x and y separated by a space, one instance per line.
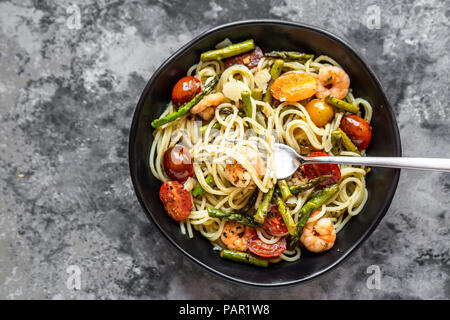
pixel 287 161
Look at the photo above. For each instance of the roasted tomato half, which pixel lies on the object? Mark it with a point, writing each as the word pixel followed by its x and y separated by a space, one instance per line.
pixel 265 250
pixel 176 200
pixel 273 223
pixel 317 170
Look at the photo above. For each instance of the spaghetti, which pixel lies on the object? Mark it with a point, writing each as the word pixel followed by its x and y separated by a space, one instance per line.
pixel 232 139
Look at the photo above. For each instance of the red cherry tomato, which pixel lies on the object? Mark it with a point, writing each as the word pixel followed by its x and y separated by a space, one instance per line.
pixel 249 59
pixel 317 170
pixel 176 200
pixel 177 163
pixel 185 90
pixel 273 223
pixel 358 130
pixel 265 250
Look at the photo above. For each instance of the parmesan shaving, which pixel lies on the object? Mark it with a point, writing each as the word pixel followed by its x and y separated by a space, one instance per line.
pixel 233 89
pixel 262 79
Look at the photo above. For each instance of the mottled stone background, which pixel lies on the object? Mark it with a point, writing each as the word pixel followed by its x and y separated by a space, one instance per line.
pixel 66 101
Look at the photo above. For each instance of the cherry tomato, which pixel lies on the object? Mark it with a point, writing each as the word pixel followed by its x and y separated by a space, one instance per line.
pixel 177 163
pixel 265 250
pixel 358 130
pixel 293 86
pixel 317 170
pixel 320 112
pixel 273 223
pixel 185 90
pixel 176 200
pixel 249 59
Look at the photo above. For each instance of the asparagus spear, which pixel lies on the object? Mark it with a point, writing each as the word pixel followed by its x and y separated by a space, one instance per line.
pixel 216 125
pixel 347 143
pixel 244 257
pixel 313 204
pixel 229 51
pixel 277 192
pixel 308 184
pixel 229 215
pixel 198 189
pixel 267 96
pixel 284 189
pixel 219 213
pixel 289 55
pixel 246 99
pixel 275 70
pixel 257 94
pixel 286 215
pixel 264 206
pixel 336 142
pixel 340 140
pixel 185 108
pixel 341 104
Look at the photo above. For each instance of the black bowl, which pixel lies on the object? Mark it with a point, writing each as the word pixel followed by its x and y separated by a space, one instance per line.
pixel 269 35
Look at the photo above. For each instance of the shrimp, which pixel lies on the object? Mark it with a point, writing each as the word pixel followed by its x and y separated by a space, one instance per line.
pixel 207 114
pixel 318 235
pixel 205 108
pixel 337 78
pixel 237 174
pixel 235 236
pixel 298 177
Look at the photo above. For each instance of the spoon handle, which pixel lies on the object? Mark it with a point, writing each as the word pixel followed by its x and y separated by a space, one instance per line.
pixel 438 164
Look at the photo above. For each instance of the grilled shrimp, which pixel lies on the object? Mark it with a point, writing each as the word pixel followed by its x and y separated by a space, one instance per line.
pixel 335 77
pixel 318 235
pixel 207 114
pixel 298 177
pixel 235 236
pixel 237 174
pixel 205 108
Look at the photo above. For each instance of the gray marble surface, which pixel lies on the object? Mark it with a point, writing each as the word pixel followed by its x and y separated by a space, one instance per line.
pixel 67 95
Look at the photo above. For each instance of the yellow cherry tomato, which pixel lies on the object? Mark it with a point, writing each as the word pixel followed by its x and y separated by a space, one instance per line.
pixel 320 112
pixel 293 86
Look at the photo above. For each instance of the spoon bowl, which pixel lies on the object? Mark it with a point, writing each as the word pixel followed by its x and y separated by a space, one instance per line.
pixel 287 160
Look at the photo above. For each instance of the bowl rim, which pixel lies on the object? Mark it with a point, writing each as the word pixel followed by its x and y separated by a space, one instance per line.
pixel 250 22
